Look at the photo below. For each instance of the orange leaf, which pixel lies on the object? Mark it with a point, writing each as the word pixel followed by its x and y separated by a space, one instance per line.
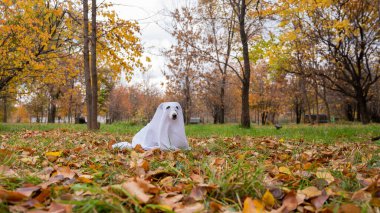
pixel 252 206
pixel 10 196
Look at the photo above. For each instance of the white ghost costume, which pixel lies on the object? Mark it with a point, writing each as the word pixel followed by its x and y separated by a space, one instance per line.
pixel 165 131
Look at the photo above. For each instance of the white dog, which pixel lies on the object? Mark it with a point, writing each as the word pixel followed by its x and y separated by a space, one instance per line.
pixel 165 131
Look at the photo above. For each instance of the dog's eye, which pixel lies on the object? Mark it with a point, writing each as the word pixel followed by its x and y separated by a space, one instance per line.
pixel 177 107
pixel 168 107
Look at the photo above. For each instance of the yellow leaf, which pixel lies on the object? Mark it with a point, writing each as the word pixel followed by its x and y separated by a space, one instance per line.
pixel 253 206
pixel 325 175
pixel 55 154
pixel 284 170
pixel 268 199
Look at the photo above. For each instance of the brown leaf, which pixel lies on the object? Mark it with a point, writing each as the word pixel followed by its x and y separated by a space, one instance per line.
pixel 52 180
pixel 28 191
pixel 66 172
pixel 349 208
pixel 139 188
pixel 45 193
pixel 361 196
pixel 289 203
pixel 60 208
pixel 196 178
pixel 138 148
pixel 320 200
pixel 11 196
pixel 170 199
pixel 192 208
pixel 215 207
pixel 141 163
pixel 198 193
pixel 7 172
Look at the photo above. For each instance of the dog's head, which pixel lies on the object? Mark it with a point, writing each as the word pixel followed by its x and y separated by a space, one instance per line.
pixel 172 109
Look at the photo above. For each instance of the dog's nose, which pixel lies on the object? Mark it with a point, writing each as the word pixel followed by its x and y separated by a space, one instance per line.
pixel 174 116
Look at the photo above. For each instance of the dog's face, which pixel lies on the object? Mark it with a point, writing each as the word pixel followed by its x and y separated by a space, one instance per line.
pixel 172 109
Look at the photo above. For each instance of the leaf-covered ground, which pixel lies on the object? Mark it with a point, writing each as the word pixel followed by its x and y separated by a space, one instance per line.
pixel 76 171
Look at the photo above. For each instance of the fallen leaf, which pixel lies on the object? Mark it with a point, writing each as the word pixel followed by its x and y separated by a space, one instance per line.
pixel 28 191
pixel 268 199
pixel 66 172
pixel 289 203
pixel 170 200
pixel 11 196
pixel 284 170
pixel 320 200
pixel 60 208
pixel 198 193
pixel 192 208
pixel 52 180
pixel 361 196
pixel 196 178
pixel 349 208
pixel 135 190
pixel 325 175
pixel 311 192
pixel 253 206
pixel 56 154
pixel 138 148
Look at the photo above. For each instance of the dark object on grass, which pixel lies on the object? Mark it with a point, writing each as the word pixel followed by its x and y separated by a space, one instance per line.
pixel 80 120
pixel 376 138
pixel 278 126
pixel 195 120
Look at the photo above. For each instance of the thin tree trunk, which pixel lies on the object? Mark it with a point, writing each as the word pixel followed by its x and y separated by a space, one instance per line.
pixel 245 118
pixel 222 96
pixel 304 93
pixel 94 73
pixel 86 63
pixel 316 102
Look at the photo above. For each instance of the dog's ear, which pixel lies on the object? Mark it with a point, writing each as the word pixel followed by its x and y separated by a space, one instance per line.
pixel 161 106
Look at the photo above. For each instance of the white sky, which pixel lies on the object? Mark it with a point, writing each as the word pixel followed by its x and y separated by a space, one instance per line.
pixel 150 17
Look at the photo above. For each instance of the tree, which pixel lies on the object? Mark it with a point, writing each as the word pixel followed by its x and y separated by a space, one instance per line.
pixel 345 37
pixel 184 62
pixel 240 11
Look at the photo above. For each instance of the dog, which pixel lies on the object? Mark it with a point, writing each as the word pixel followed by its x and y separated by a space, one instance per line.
pixel 165 131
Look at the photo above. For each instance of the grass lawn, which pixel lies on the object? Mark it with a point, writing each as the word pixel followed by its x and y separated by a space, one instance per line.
pixel 331 168
pixel 325 133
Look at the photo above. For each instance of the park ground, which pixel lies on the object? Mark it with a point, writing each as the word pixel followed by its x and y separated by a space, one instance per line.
pixel 304 168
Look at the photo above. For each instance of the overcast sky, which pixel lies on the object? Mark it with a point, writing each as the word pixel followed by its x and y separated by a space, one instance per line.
pixel 150 17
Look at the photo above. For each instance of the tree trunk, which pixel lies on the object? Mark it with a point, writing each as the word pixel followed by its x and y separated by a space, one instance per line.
pixel 306 99
pixel 363 110
pixel 94 74
pixel 5 110
pixel 86 63
pixel 316 102
pixel 52 111
pixel 222 95
pixel 188 101
pixel 245 118
pixel 349 112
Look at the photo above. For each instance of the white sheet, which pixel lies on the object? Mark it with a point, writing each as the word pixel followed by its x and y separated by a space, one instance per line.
pixel 165 131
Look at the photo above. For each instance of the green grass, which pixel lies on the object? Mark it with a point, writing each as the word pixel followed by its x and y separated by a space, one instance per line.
pixel 326 133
